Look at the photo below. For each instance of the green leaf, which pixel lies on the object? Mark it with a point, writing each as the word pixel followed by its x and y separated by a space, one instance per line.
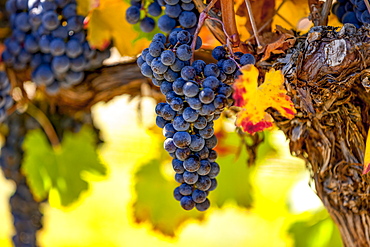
pixel 60 173
pixel 234 180
pixel 155 202
pixel 317 230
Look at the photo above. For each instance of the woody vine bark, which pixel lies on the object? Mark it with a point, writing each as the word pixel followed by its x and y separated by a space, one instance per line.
pixel 327 77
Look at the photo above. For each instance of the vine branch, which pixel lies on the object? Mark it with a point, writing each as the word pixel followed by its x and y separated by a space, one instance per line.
pixel 253 23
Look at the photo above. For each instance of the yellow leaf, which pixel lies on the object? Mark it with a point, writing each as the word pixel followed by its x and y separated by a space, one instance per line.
pixel 107 22
pixel 254 99
pixel 367 155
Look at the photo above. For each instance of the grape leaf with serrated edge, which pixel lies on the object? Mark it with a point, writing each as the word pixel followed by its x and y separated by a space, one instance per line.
pixel 59 172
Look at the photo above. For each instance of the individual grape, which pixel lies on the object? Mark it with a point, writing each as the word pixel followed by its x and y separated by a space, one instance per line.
pixel 211 70
pixel 199 67
pixel 200 123
pixel 194 102
pixel 197 143
pixel 205 167
pixel 192 163
pixel 178 85
pixel 177 104
pixel 21 22
pixel 183 153
pixel 190 115
pixel 188 73
pixel 159 37
pixel 43 75
pixel 182 139
pixel 167 113
pixel 188 19
pixel 207 110
pixel 160 121
pixel 179 178
pixel 173 11
pixel 75 23
pixel 30 44
pixel 199 196
pixel 204 182
pixel 185 189
pixel 183 37
pixel 187 6
pixel 190 89
pixel 156 48
pixel 213 184
pixel 170 75
pixel 146 70
pixel 228 66
pixel 211 82
pixel 176 194
pixel 206 96
pixel 73 48
pixel 190 177
pixel 78 64
pixel 168 57
pixel 219 52
pixel 57 47
pixel 187 203
pixel 69 10
pixel 180 124
pixel 204 153
pixel 157 66
pixel 133 15
pixel 211 142
pixel 207 132
pixel 166 23
pixel 147 24
pixel 184 52
pixel 215 170
pixel 212 156
pixel 74 78
pixel 177 166
pixel 60 64
pixel 149 59
pixel 50 20
pixel 154 9
pixel 177 65
pixel 169 145
pixel 203 206
pixel 166 87
pixel 247 59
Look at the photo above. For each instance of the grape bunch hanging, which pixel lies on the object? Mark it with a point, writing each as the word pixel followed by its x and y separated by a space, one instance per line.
pixel 196 94
pixel 48 36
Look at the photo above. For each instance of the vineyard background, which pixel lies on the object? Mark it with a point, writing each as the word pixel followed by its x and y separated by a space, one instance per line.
pixel 285 211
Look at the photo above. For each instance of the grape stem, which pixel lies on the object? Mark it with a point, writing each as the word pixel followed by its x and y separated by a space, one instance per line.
pixel 367 5
pixel 43 120
pixel 202 17
pixel 253 23
pixel 325 12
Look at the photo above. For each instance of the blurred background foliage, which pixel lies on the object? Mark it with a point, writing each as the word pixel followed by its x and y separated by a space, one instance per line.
pixel 267 204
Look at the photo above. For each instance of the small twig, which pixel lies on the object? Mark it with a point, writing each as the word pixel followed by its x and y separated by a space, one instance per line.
pixel 253 23
pixel 325 12
pixel 202 17
pixel 228 18
pixel 367 5
pixel 43 120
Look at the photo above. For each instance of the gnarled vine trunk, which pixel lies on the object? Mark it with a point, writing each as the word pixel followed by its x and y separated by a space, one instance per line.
pixel 327 76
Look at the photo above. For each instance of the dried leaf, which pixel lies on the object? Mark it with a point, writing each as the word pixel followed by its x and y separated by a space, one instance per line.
pixel 285 41
pixel 254 99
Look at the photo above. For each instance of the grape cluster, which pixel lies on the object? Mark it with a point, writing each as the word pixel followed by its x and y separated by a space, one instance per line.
pixel 48 36
pixel 352 11
pixel 25 210
pixel 6 100
pixel 177 13
pixel 196 95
